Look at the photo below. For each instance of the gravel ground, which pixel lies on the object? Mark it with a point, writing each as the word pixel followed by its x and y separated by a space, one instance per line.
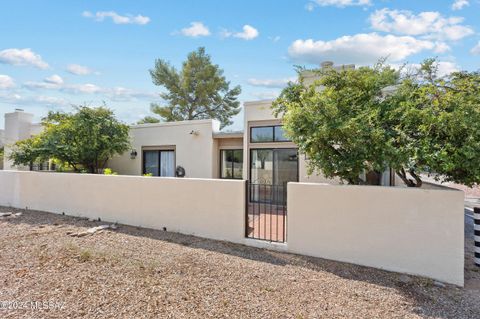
pixel 139 273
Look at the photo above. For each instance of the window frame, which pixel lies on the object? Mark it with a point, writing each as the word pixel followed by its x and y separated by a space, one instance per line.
pixel 274 140
pixel 222 152
pixel 159 160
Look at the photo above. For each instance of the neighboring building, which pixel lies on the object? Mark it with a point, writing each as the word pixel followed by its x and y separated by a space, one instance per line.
pixel 18 126
pixel 2 138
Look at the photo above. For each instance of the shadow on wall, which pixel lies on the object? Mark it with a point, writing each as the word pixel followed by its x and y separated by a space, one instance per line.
pixel 421 292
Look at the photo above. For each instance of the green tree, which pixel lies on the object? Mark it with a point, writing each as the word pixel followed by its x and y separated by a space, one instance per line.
pixel 148 119
pixel 198 91
pixel 367 119
pixel 438 123
pixel 335 120
pixel 84 139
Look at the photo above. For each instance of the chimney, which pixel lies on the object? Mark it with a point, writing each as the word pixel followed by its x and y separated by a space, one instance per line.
pixel 17 127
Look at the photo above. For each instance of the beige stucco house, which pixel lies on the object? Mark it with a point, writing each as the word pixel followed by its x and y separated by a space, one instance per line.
pixel 260 153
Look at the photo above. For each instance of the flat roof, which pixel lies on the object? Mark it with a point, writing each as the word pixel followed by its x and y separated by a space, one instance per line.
pixel 235 134
pixel 174 123
pixel 266 101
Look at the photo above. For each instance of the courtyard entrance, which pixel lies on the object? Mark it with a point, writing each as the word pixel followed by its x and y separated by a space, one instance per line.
pixel 270 171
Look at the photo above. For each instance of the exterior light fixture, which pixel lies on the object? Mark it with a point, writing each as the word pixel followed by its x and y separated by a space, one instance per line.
pixel 133 154
pixel 194 132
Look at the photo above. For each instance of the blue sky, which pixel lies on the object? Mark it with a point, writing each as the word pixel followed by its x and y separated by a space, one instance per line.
pixel 57 53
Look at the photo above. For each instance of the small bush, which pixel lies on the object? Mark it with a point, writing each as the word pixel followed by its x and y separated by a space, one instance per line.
pixel 109 171
pixel 85 255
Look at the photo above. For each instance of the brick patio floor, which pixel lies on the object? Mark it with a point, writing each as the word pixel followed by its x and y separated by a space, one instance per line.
pixel 267 222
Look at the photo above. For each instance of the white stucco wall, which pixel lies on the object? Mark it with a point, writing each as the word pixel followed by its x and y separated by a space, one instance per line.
pixel 413 231
pixel 206 208
pixel 195 152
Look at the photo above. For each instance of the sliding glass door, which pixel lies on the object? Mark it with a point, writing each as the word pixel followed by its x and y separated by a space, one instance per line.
pixel 270 171
pixel 273 166
pixel 159 163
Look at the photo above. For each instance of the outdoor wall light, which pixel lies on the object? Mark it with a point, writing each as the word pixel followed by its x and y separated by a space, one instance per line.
pixel 133 154
pixel 193 132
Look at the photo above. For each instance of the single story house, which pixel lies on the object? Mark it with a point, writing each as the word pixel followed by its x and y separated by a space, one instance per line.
pixel 261 153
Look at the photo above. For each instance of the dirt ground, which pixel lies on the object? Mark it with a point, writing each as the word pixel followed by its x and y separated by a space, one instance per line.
pixel 140 273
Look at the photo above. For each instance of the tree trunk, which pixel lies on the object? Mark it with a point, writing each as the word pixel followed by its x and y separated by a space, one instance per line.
pixel 416 182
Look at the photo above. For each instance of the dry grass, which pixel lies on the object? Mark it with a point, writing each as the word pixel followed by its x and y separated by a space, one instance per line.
pixel 141 273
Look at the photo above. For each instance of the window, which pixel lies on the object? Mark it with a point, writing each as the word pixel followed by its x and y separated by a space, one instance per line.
pixel 231 164
pixel 159 163
pixel 267 134
pixel 42 166
pixel 278 135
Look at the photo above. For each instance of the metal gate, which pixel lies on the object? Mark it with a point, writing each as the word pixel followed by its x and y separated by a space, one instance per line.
pixel 266 213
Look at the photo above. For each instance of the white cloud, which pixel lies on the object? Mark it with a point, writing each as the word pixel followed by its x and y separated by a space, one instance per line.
pixel 196 29
pixel 56 83
pixel 270 83
pixel 77 69
pixel 22 57
pixel 52 82
pixel 15 98
pixel 431 25
pixel 6 82
pixel 51 100
pixel 441 47
pixel 248 33
pixel 275 38
pixel 310 6
pixel 364 48
pixel 54 79
pixel 341 3
pixel 125 94
pixel 444 67
pixel 9 97
pixel 116 18
pixel 86 88
pixel 476 49
pixel 460 4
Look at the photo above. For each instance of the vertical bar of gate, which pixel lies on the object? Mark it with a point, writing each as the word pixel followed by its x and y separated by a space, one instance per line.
pixel 254 208
pixel 264 208
pixel 259 207
pixel 270 211
pixel 276 215
pixel 247 208
pixel 284 202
